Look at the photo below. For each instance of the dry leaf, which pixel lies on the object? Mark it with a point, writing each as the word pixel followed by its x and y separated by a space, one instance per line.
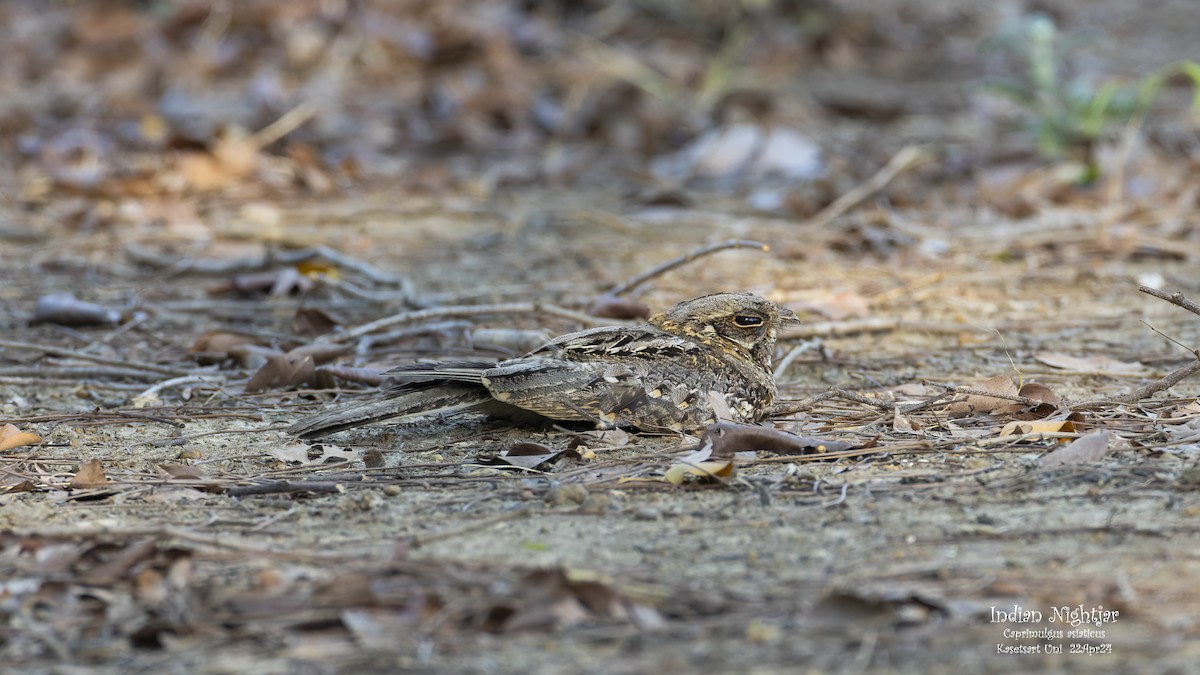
pixel 372 377
pixel 296 452
pixel 182 471
pixel 603 437
pixel 903 424
pixel 17 485
pixel 282 371
pixel 527 455
pixel 834 304
pixel 311 322
pixel 90 474
pixel 1090 448
pixel 613 307
pixel 231 158
pixel 150 400
pixel 563 597
pixel 1191 409
pixel 221 342
pixel 728 439
pixel 12 437
pixel 697 465
pixel 1038 427
pixel 975 403
pixel 1038 392
pixel 1092 364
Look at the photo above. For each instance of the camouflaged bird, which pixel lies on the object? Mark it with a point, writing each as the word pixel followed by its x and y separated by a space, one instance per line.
pixel 705 359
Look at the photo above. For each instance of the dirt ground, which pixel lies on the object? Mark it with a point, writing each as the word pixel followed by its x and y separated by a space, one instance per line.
pixel 205 539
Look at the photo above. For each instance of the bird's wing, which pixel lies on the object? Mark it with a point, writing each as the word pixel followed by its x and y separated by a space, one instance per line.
pixel 605 393
pixel 448 371
pixel 409 400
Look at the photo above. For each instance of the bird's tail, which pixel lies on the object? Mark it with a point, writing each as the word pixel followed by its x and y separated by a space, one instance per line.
pixel 440 399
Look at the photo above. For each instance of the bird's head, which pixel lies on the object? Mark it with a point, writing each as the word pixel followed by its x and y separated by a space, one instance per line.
pixel 743 323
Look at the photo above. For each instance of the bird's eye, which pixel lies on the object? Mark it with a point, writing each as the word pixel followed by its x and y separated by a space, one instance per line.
pixel 747 320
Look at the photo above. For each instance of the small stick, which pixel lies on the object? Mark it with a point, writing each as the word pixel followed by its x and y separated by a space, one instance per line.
pixel 841 498
pixel 77 374
pixel 81 356
pixel 793 407
pixel 1170 380
pixel 286 124
pixel 145 256
pixel 419 541
pixel 173 382
pixel 874 324
pixel 906 158
pixel 989 394
pixel 924 404
pixel 1176 299
pixel 345 262
pixel 684 259
pixel 285 486
pixel 859 398
pixel 468 310
pixel 792 355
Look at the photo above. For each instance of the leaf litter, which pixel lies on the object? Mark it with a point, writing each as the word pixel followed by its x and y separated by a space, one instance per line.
pixel 948 439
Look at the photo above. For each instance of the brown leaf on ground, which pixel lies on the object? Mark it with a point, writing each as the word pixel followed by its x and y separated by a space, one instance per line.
pixel 90 474
pixel 286 281
pixel 613 307
pixel 1102 365
pixel 836 304
pixel 215 347
pixel 904 424
pixel 1085 450
pixel 1038 427
pixel 16 484
pixel 559 598
pixel 64 309
pixel 231 159
pixel 220 341
pixel 866 609
pixel 529 455
pixel 1038 392
pixel 282 372
pixel 699 465
pixel 182 471
pixel 372 377
pixel 728 439
pixel 12 437
pixel 311 322
pixel 373 459
pixel 975 404
pixel 113 566
pixel 292 453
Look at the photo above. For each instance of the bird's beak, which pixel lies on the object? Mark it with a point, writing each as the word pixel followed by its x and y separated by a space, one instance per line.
pixel 787 316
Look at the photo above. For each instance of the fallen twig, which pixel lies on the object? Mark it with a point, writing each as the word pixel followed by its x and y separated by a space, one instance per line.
pixel 420 315
pixel 286 486
pixel 78 375
pixel 684 259
pixel 907 157
pixel 83 356
pixel 419 541
pixel 1176 299
pixel 175 382
pixel 1170 380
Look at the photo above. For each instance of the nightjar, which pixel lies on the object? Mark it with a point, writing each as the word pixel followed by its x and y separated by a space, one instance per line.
pixel 705 359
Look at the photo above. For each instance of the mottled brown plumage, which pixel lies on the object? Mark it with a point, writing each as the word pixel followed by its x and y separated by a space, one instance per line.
pixel 705 359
